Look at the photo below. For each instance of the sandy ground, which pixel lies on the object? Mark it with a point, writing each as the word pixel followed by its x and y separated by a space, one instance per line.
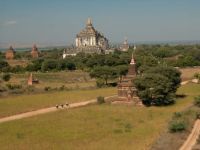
pixel 192 138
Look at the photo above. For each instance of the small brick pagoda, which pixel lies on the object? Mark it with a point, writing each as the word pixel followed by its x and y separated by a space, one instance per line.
pixel 34 51
pixel 126 88
pixel 10 53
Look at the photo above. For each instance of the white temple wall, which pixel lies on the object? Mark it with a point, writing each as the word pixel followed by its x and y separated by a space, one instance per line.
pixel 77 44
pixel 91 43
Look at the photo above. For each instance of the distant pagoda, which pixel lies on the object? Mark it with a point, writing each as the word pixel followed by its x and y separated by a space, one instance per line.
pixel 125 46
pixel 10 53
pixel 34 51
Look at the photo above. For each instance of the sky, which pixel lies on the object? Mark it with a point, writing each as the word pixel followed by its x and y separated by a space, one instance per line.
pixel 56 22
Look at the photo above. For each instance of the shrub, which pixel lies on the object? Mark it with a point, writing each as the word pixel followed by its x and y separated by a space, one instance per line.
pixel 177 115
pixel 3 64
pixel 178 122
pixel 197 75
pixel 47 88
pixel 49 65
pixel 177 126
pixel 30 89
pixel 71 66
pixel 16 91
pixel 197 101
pixel 62 88
pixel 198 115
pixel 2 89
pixel 6 77
pixel 13 86
pixel 100 100
pixel 100 83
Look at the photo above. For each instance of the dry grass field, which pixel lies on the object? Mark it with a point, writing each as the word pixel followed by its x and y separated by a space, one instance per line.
pixel 71 80
pixel 188 73
pixel 96 127
pixel 23 103
pixel 18 62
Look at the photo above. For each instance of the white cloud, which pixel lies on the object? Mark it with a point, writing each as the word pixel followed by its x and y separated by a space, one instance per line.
pixel 11 22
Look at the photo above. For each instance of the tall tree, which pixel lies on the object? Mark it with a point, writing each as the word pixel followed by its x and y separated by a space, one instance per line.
pixel 103 72
pixel 154 89
pixel 171 73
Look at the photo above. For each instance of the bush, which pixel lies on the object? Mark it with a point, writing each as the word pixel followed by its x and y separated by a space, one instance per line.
pixel 177 115
pixel 62 88
pixel 197 101
pixel 49 65
pixel 13 86
pixel 2 89
pixel 3 64
pixel 6 77
pixel 71 66
pixel 177 126
pixel 47 88
pixel 100 100
pixel 16 91
pixel 100 83
pixel 177 123
pixel 198 115
pixel 30 88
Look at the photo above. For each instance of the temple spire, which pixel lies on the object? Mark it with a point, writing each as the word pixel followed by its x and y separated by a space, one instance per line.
pixel 89 22
pixel 34 46
pixel 125 40
pixel 134 48
pixel 11 48
pixel 132 60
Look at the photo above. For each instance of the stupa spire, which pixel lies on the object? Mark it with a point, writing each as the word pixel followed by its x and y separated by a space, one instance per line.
pixel 132 60
pixel 11 48
pixel 89 22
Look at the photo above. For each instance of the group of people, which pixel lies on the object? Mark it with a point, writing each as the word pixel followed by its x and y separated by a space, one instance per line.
pixel 66 105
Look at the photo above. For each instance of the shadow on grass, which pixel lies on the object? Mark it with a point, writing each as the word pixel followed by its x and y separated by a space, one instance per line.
pixel 181 95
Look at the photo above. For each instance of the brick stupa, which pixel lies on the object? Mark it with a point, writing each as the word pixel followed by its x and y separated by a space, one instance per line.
pixel 34 51
pixel 126 88
pixel 10 53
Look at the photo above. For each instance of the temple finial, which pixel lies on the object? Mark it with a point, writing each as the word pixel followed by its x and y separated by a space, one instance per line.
pixel 134 48
pixel 89 21
pixel 11 48
pixel 132 60
pixel 125 40
pixel 34 46
pixel 132 55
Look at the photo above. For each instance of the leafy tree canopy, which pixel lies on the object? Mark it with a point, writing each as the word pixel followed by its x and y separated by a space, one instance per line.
pixel 154 89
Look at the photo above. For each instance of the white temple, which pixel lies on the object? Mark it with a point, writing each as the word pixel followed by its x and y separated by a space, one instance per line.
pixel 89 38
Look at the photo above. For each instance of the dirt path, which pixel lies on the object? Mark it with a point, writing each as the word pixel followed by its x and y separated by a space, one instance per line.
pixel 192 138
pixel 185 82
pixel 47 110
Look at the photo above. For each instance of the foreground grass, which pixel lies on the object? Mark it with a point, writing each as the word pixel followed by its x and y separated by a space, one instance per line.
pixel 174 140
pixel 23 103
pixel 96 127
